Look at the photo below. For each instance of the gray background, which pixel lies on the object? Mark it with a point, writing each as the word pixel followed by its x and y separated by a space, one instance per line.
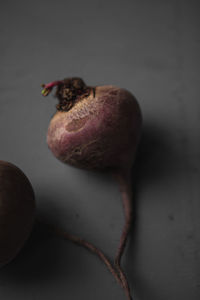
pixel 152 49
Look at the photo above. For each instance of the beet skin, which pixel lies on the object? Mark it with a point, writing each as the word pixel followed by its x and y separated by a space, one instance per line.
pixel 17 210
pixel 97 132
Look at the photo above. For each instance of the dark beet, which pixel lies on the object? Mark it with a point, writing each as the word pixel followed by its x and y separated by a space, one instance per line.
pixel 97 128
pixel 17 210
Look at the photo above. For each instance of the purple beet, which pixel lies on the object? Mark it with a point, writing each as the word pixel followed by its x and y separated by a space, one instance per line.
pixel 17 211
pixel 97 128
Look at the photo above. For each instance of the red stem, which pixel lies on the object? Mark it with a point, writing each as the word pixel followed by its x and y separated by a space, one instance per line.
pixel 47 88
pixel 52 84
pixel 124 183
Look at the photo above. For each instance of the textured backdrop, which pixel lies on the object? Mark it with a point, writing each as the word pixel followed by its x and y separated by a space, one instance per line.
pixel 152 49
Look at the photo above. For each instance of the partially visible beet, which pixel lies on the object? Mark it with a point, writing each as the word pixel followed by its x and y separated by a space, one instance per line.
pixel 97 128
pixel 17 211
pixel 17 215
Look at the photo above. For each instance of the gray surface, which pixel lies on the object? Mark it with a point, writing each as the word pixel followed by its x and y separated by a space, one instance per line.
pixel 152 49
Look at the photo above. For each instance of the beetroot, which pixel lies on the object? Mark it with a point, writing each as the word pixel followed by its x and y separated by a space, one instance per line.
pixel 17 215
pixel 97 128
pixel 17 211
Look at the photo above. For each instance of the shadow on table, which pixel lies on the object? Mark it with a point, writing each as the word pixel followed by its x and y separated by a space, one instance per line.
pixel 43 255
pixel 157 160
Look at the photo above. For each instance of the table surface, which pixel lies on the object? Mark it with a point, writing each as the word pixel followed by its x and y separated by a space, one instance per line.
pixel 152 49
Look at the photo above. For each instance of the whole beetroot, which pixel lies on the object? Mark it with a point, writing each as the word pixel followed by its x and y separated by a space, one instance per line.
pixel 17 210
pixel 98 131
pixel 97 128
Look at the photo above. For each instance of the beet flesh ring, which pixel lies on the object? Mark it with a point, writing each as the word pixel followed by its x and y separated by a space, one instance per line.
pixel 97 132
pixel 17 210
